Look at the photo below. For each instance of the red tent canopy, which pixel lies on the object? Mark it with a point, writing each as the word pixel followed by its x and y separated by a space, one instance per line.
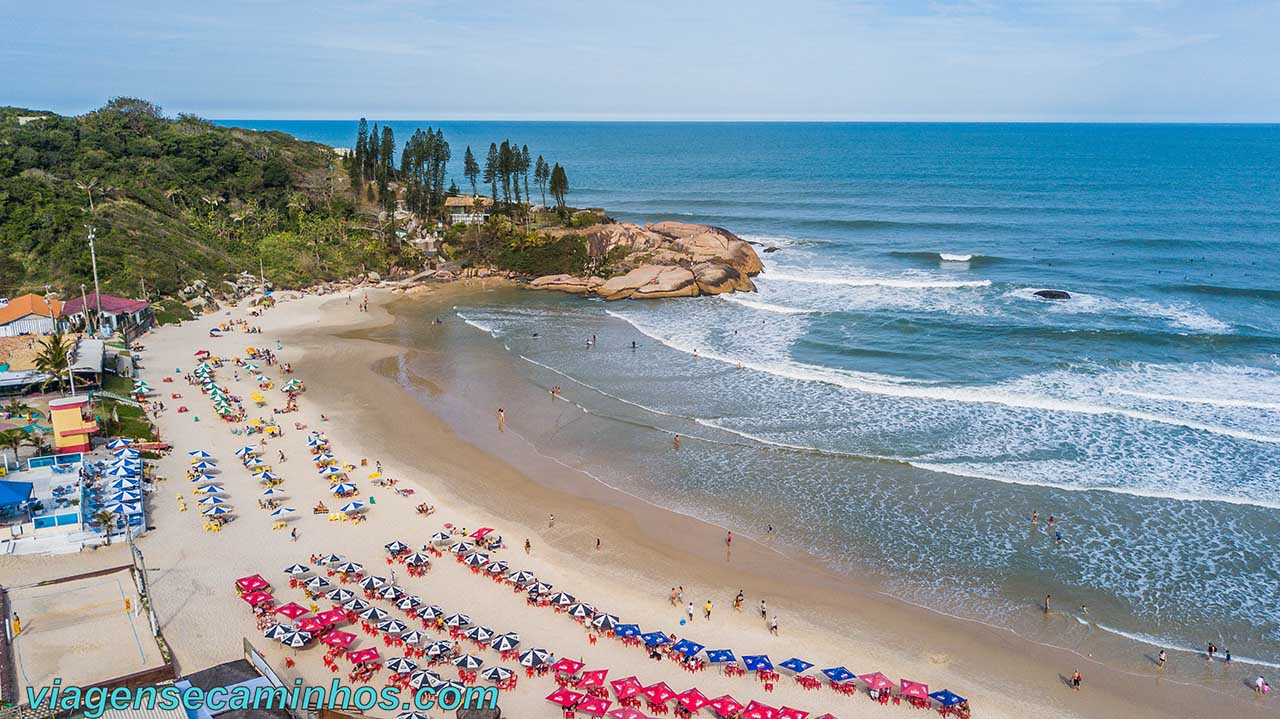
pixel 252 583
pixel 338 638
pixel 915 690
pixel 593 706
pixel 593 678
pixel 567 666
pixel 789 713
pixel 876 681
pixel 333 616
pixel 256 598
pixel 364 655
pixel 565 697
pixel 725 705
pixel 627 713
pixel 827 716
pixel 659 692
pixel 482 532
pixel 292 610
pixel 756 710
pixel 693 700
pixel 626 688
pixel 311 624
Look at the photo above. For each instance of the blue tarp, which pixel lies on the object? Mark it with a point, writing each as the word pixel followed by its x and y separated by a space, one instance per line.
pixel 627 630
pixel 946 698
pixel 838 674
pixel 720 656
pixel 655 639
pixel 796 665
pixel 756 662
pixel 13 494
pixel 687 648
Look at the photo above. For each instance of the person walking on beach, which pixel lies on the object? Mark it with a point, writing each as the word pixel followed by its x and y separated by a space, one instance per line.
pixel 597 544
pixel 773 625
pixel 1162 658
pixel 676 441
pixel 764 613
pixel 738 600
pixel 1035 517
pixel 1047 599
pixel 729 538
pixel 672 598
pixel 1212 649
pixel 1075 680
pixel 690 611
pixel 293 534
pixel 527 546
pixel 502 420
pixel 706 610
pixel 551 520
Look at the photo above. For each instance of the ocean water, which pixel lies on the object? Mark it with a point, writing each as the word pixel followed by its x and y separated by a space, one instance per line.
pixel 896 399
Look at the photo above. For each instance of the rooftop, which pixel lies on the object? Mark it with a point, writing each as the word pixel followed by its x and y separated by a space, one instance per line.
pixel 110 303
pixel 467 201
pixel 29 304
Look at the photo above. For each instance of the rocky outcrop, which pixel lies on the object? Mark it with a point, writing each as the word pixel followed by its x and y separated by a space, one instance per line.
pixel 664 259
pixel 1053 294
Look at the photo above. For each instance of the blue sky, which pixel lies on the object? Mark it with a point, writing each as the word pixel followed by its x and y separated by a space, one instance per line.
pixel 1071 60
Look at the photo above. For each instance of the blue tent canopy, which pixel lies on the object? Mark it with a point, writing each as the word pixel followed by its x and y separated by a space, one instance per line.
pixel 796 665
pixel 838 674
pixel 756 662
pixel 946 698
pixel 655 639
pixel 687 648
pixel 13 494
pixel 627 630
pixel 720 656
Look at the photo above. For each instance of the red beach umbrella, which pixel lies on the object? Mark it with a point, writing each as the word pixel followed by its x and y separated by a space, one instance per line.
pixel 338 638
pixel 789 713
pixel 256 598
pixel 594 706
pixel 567 666
pixel 626 688
pixel 725 705
pixel 660 693
pixel 482 532
pixel 565 697
pixel 915 690
pixel 876 681
pixel 333 616
pixel 252 583
pixel 593 678
pixel 311 624
pixel 627 713
pixel 693 700
pixel 364 655
pixel 756 710
pixel 292 610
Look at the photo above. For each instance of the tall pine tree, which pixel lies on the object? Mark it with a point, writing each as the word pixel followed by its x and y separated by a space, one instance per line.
pixel 471 169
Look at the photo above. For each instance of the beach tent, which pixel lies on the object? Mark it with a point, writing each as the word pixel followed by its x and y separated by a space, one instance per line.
pixel 838 674
pixel 757 662
pixel 364 656
pixel 311 624
pixel 787 712
pixel 725 705
pixel 687 647
pixel 565 697
pixel 594 706
pixel 757 710
pixel 593 678
pixel 692 699
pixel 565 665
pixel 720 656
pixel 626 713
pixel 947 698
pixel 292 610
pixel 655 639
pixel 915 690
pixel 256 598
pixel 332 616
pixel 626 688
pixel 627 630
pixel 799 666
pixel 876 681
pixel 252 583
pixel 659 693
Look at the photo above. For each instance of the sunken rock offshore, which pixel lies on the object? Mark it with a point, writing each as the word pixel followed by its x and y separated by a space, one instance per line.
pixel 664 259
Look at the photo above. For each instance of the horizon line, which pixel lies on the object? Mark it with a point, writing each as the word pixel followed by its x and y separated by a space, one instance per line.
pixel 757 121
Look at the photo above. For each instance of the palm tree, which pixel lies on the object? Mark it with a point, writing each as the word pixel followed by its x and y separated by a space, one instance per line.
pixel 106 519
pixel 13 439
pixel 54 358
pixel 17 408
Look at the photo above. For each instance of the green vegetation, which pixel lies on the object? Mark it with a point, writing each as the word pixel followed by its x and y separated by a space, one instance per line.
pixel 118 419
pixel 171 312
pixel 173 200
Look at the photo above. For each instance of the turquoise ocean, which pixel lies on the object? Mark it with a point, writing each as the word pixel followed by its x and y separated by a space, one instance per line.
pixel 896 400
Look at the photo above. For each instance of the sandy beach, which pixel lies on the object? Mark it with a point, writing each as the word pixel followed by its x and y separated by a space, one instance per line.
pixel 477 476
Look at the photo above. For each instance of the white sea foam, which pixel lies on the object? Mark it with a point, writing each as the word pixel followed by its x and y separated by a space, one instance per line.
pixel 948 257
pixel 490 329
pixel 1180 315
pixel 1215 401
pixel 906 282
pixel 764 306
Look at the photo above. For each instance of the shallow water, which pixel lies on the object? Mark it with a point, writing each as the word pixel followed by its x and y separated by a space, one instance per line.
pixel 897 400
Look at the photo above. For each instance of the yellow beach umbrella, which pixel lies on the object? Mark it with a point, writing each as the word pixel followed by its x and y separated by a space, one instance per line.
pixel 376 475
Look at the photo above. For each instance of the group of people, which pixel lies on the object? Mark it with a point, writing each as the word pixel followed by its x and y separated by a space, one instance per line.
pixel 677 598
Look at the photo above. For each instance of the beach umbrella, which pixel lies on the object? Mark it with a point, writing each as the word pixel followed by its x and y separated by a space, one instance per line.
pixel 118 443
pixel 391 592
pixel 627 630
pixel 626 713
pixel 947 698
pixel 124 508
pixel 563 599
pixel 119 471
pixel 295 639
pixel 211 500
pixel 272 492
pixel 215 511
pixel 720 656
pixel 522 577
pixel 210 489
pixel 417 559
pixel 659 693
pixel 311 624
pixel 340 595
pixel 254 462
pixel 461 548
pixel 338 638
pixel 412 638
pixel 409 603
pixel 497 567
pixel 330 559
pixel 838 674
pixel 343 488
pixel 374 614
pixel 323 457
pixel 757 710
pixel 440 538
pixel 423 677
pixel 332 616
pixel 123 484
pixel 435 649
pixel 692 699
pixel 581 611
pixel 393 626
pixel 505 642
pixel 565 665
pixel 626 688
pixel 725 705
pixel 351 507
pixel 876 681
pixel 605 622
pixel 396 547
pixel 199 453
pixel 593 678
pixel 275 630
pixel 594 706
pixel 372 583
pixel 757 662
pixel 655 639
pixel 787 712
pixel 292 610
pixel 798 666
pixel 401 665
pixel 687 647
pixel 317 583
pixel 203 464
pixel 126 496
pixel 534 657
pixel 431 612
pixel 467 661
pixel 349 568
pixel 565 697
pixel 203 478
pixel 478 559
pixel 330 471
pixel 481 635
pixel 539 588
pixel 915 690
pixel 457 620
pixel 356 604
pixel 497 675
pixel 252 583
pixel 256 598
pixel 246 451
pixel 266 476
pixel 297 570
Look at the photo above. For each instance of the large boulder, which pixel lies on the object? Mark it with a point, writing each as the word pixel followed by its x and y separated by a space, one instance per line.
pixel 567 283
pixel 623 286
pixel 714 279
pixel 670 282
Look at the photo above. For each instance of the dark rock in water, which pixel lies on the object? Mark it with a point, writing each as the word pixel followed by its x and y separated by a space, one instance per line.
pixel 1053 294
pixel 770 248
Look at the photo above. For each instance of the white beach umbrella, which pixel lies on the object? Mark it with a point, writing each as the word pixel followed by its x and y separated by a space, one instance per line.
pixel 211 500
pixel 297 570
pixel 497 675
pixel 457 620
pixel 199 453
pixel 273 492
pixel 441 538
pixel 467 661
pixel 534 657
pixel 431 612
pixel 350 567
pixel 355 604
pixel 393 626
pixel 317 582
pixel 246 450
pixel 118 443
pixel 215 511
pixel 505 642
pixel 330 559
pixel 401 665
pixel 341 594
pixel 350 507
pixel 283 511
pixel 372 583
pixel 522 577
pixel 375 614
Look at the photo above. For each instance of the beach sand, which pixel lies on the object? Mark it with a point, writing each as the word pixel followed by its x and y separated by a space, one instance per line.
pixel 476 476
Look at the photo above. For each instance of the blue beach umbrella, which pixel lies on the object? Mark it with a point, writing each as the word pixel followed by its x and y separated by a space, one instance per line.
pixel 118 443
pixel 203 464
pixel 946 698
pixel 627 630
pixel 124 497
pixel 212 500
pixel 838 674
pixel 687 648
pixel 211 489
pixel 215 512
pixel 123 484
pixel 797 665
pixel 247 449
pixel 343 488
pixel 124 508
pixel 272 492
pixel 120 472
pixel 655 639
pixel 757 662
pixel 330 471
pixel 283 511
pixel 351 507
pixel 265 476
pixel 199 453
pixel 126 452
pixel 203 478
pixel 720 656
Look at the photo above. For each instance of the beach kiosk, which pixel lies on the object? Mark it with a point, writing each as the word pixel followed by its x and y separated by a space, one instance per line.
pixel 71 429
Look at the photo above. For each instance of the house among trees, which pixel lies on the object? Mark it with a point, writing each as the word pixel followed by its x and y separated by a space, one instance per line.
pixel 30 315
pixel 131 317
pixel 467 210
